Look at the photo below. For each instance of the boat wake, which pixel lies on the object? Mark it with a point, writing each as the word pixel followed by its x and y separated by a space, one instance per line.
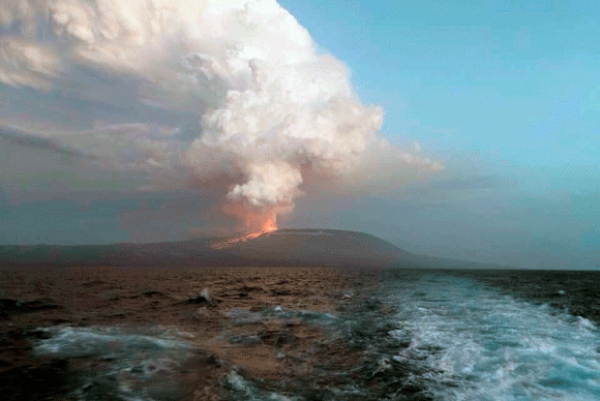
pixel 479 344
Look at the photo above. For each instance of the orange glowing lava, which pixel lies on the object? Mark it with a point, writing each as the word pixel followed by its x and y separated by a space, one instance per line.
pixel 255 224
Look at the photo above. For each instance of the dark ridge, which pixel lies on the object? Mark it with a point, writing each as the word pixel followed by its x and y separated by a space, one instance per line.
pixel 299 247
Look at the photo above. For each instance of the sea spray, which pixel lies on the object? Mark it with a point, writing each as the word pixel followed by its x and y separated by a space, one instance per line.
pixel 479 344
pixel 117 364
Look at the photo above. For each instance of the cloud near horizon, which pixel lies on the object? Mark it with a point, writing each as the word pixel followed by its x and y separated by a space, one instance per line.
pixel 231 97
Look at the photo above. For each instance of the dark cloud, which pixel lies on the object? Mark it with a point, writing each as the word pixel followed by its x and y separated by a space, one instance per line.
pixel 29 140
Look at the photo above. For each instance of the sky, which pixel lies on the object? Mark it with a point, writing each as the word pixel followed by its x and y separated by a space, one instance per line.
pixel 505 91
pixel 503 94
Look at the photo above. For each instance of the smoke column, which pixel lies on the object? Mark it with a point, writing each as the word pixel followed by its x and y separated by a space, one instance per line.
pixel 273 110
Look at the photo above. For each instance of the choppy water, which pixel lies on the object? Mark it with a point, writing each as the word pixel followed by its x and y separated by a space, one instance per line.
pixel 478 343
pixel 115 364
pixel 422 336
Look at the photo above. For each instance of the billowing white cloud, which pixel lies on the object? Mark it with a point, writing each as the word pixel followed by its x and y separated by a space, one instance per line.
pixel 272 110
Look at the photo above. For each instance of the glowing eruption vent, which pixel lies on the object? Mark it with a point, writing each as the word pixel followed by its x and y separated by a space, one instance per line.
pixel 273 116
pixel 256 223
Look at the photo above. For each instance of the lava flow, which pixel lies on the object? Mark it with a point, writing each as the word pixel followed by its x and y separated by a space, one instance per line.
pixel 256 224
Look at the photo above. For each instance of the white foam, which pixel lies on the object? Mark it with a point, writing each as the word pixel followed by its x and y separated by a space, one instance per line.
pixel 72 342
pixel 478 344
pixel 249 392
pixel 120 365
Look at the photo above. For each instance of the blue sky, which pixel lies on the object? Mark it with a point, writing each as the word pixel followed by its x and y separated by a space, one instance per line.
pixel 506 89
pixel 509 81
pixel 505 93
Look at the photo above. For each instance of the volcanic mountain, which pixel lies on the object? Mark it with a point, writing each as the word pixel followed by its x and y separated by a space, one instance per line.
pixel 306 247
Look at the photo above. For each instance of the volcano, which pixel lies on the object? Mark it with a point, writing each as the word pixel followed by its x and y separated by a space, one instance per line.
pixel 298 247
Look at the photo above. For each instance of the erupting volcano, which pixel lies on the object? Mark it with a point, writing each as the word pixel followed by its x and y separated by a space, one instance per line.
pixel 255 223
pixel 257 114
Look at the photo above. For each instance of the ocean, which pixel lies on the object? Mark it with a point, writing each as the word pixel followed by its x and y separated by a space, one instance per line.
pixel 466 336
pixel 498 336
pixel 411 336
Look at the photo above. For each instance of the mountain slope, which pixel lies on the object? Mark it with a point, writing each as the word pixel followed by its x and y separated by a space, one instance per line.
pixel 308 247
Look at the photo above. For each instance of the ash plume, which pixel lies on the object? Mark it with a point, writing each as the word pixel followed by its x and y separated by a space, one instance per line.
pixel 275 115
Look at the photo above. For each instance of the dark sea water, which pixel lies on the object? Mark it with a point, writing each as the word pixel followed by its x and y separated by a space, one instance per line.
pixel 417 335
